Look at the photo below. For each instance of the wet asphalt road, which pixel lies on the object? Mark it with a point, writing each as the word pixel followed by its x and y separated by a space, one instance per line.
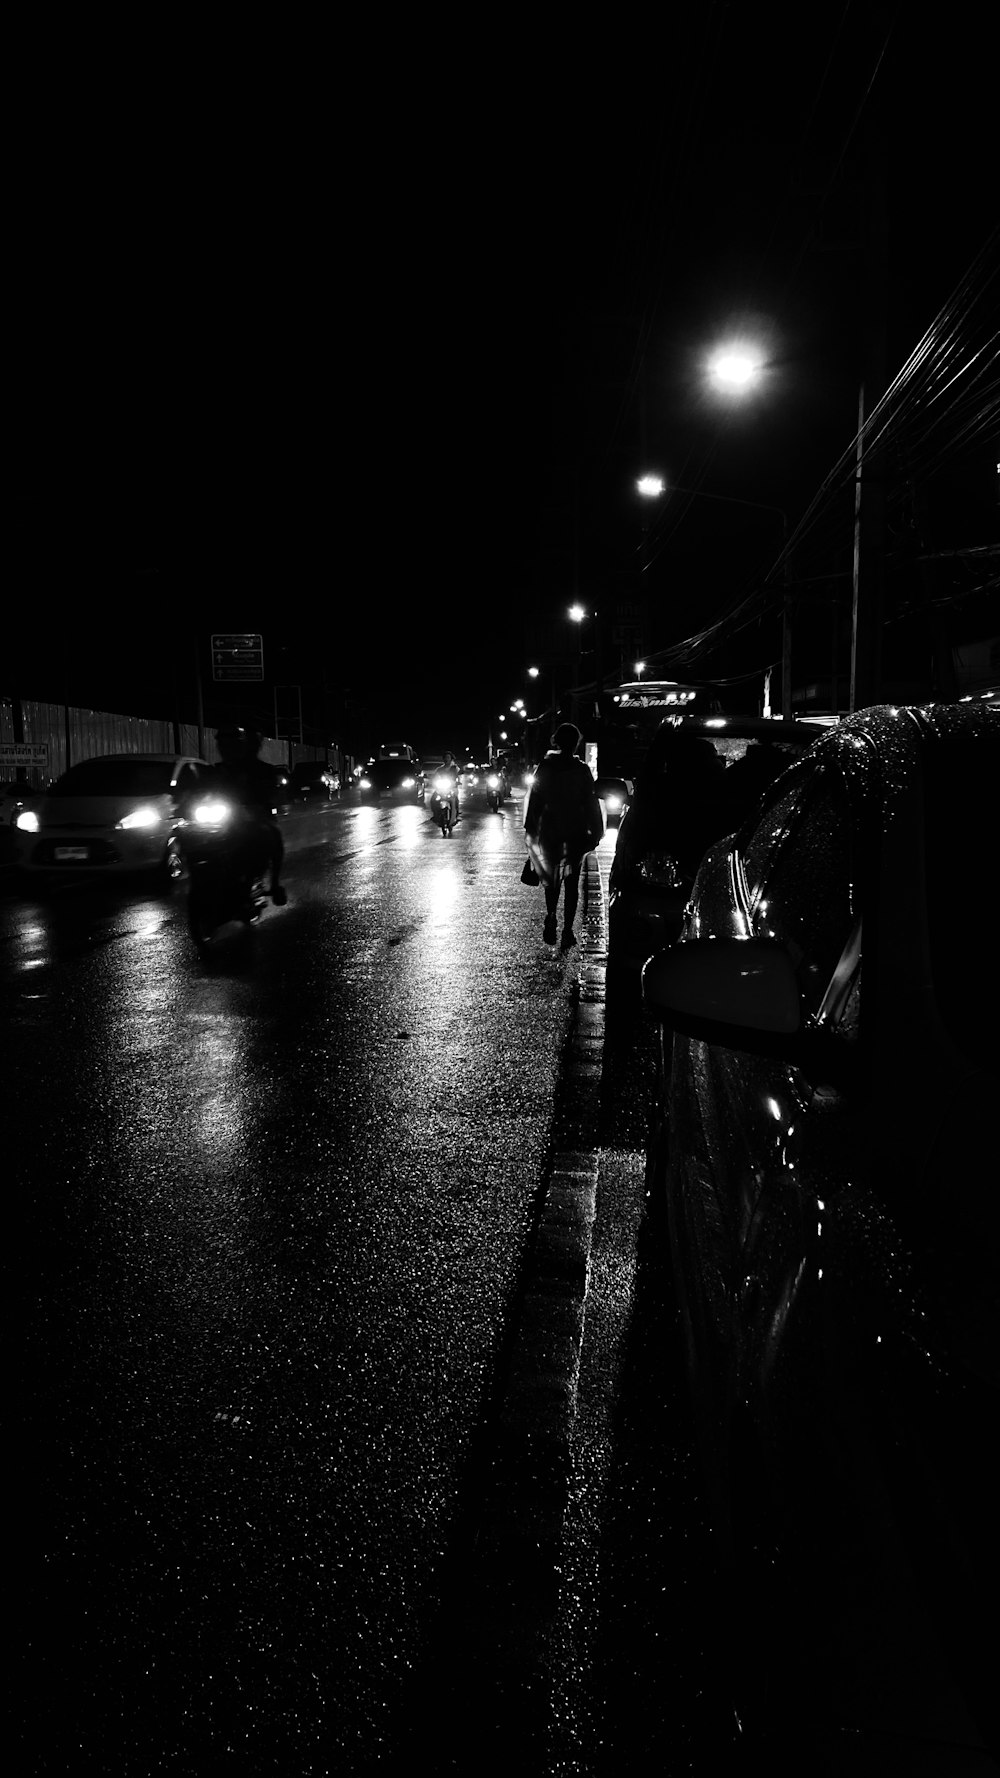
pixel 271 1221
pixel 348 1432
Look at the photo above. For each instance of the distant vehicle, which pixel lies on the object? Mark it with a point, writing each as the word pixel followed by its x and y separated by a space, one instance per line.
pixel 111 814
pixel 497 780
pixel 13 798
pixel 391 781
pixel 614 793
pixel 312 780
pixel 629 716
pixel 833 1221
pixel 443 803
pixel 395 750
pixel 518 772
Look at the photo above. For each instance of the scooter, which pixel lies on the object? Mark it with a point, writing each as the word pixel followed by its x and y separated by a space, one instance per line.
pixel 494 792
pixel 443 806
pixel 225 886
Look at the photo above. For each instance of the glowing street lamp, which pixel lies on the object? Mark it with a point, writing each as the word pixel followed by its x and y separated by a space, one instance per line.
pixel 640 668
pixel 735 368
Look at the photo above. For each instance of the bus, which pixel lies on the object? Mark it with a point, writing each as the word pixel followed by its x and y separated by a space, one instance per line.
pixel 627 716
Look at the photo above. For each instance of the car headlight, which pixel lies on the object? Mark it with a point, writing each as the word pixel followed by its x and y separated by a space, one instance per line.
pixel 212 813
pixel 365 783
pixel 613 801
pixel 144 817
pixel 408 783
pixel 27 821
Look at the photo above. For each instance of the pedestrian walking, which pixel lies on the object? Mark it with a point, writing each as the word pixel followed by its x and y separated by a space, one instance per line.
pixel 562 823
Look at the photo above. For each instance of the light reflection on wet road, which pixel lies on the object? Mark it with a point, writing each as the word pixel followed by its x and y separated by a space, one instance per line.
pixel 271 1222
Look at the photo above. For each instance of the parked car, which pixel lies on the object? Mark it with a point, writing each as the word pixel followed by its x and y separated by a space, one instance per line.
pixel 700 777
pixel 391 781
pixel 314 781
pixel 827 1151
pixel 107 815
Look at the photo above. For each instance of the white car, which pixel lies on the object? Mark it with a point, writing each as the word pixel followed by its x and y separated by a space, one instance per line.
pixel 110 814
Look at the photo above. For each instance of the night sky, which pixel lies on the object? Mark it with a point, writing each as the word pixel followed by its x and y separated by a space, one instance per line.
pixel 361 343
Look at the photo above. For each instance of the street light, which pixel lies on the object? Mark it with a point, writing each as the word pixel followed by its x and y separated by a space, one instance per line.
pixel 651 486
pixel 640 668
pixel 734 368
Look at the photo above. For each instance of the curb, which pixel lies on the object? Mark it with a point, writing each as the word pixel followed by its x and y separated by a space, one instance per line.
pixel 512 1582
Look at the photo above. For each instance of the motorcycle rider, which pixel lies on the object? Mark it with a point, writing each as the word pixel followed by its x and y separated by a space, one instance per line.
pixel 449 770
pixel 252 783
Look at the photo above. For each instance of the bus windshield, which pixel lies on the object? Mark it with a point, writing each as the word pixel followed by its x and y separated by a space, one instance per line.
pixel 630 714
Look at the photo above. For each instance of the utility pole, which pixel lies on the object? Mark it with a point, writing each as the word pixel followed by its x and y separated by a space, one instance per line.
pixel 199 697
pixel 868 591
pixel 786 626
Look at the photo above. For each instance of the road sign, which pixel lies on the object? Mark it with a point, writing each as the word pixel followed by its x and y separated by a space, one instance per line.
pixel 24 753
pixel 238 656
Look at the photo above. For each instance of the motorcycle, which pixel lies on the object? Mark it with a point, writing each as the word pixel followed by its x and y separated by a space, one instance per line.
pixel 443 798
pixel 220 843
pixel 494 792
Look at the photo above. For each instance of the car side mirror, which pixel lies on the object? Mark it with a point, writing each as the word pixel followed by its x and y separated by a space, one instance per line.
pixel 742 993
pixel 709 986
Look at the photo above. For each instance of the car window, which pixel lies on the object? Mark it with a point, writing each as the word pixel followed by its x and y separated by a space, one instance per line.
pixel 797 869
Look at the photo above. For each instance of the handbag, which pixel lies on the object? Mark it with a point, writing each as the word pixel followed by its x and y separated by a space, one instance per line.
pixel 529 873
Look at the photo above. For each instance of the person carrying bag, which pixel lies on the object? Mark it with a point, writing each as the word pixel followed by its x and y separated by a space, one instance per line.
pixel 562 823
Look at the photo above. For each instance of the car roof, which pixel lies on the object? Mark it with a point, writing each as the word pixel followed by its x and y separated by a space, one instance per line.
pixel 879 752
pixel 896 731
